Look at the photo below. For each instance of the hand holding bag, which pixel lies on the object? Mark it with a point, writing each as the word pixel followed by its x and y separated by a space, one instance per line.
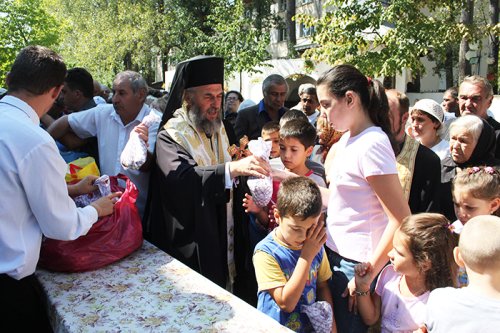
pixel 111 238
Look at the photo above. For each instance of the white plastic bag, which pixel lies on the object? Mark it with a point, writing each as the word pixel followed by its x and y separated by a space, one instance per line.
pixel 320 315
pixel 104 189
pixel 136 151
pixel 261 188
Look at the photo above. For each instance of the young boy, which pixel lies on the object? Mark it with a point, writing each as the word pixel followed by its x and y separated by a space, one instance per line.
pixel 271 132
pixel 291 265
pixel 296 143
pixel 297 139
pixel 475 308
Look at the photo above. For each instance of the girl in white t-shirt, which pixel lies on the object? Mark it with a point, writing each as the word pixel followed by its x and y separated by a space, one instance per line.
pixel 421 261
pixel 365 199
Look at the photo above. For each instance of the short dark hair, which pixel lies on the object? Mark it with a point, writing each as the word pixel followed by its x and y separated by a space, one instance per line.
pixel 301 130
pixel 271 127
pixel 453 92
pixel 36 69
pixel 240 96
pixel 80 79
pixel 299 197
pixel 292 114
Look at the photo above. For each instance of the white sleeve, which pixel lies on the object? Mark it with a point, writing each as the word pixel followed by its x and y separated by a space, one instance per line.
pixel 153 134
pixel 42 175
pixel 84 123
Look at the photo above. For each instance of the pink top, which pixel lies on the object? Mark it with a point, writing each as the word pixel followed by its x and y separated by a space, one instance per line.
pixel 356 219
pixel 399 313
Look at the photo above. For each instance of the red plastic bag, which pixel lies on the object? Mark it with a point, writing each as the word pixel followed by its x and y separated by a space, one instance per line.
pixel 111 238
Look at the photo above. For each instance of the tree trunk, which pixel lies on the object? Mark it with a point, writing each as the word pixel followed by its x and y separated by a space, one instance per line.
pixel 448 67
pixel 290 25
pixel 493 68
pixel 463 64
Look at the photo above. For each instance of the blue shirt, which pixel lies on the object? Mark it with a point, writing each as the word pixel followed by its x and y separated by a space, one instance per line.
pixel 287 259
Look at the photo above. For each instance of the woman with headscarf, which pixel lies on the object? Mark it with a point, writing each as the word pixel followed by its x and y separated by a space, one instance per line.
pixel 427 123
pixel 472 143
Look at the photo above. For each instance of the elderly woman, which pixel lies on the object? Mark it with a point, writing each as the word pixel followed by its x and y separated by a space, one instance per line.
pixel 427 118
pixel 472 143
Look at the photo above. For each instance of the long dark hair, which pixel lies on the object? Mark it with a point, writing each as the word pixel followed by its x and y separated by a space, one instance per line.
pixel 343 78
pixel 430 240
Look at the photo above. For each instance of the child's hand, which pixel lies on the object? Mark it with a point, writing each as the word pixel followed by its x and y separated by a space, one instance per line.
pixel 363 276
pixel 316 238
pixel 270 214
pixel 249 204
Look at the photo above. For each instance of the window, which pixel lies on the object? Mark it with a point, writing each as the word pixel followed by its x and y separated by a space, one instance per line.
pixel 305 31
pixel 282 5
pixel 282 35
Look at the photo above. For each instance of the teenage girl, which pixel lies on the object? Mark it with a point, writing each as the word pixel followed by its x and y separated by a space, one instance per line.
pixel 365 199
pixel 421 261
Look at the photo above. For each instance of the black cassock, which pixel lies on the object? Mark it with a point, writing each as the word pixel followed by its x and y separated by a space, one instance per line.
pixel 187 216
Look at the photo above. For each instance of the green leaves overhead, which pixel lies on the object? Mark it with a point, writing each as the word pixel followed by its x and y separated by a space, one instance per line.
pixel 108 36
pixel 383 37
pixel 23 23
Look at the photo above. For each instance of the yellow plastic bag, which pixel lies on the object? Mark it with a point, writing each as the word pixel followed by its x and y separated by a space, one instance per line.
pixel 81 168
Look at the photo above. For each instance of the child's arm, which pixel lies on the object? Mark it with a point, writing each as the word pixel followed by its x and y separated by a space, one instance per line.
pixel 260 213
pixel 324 294
pixel 288 296
pixel 368 304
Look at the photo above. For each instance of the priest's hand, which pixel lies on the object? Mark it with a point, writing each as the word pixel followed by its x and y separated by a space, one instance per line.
pixel 250 166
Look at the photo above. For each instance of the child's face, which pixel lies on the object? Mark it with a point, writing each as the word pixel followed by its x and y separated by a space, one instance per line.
pixel 292 230
pixel 401 257
pixel 274 137
pixel 467 206
pixel 293 154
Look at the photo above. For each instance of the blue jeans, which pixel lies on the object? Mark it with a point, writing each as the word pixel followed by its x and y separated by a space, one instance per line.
pixel 343 272
pixel 256 231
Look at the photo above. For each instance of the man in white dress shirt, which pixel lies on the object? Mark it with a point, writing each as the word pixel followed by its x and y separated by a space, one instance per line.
pixel 35 199
pixel 112 125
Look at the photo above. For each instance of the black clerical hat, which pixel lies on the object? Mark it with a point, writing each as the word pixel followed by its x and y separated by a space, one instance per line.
pixel 194 72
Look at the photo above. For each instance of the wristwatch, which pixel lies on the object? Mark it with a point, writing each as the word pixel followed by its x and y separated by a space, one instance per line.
pixel 361 293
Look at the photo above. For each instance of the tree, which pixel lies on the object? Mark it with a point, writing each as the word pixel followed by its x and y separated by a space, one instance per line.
pixel 382 38
pixel 23 23
pixel 494 42
pixel 466 19
pixel 109 36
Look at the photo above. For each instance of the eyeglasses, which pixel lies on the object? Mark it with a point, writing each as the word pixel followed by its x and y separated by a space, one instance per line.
pixel 231 98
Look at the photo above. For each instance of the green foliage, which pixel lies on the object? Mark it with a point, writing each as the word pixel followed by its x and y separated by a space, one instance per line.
pixel 383 37
pixel 109 36
pixel 23 23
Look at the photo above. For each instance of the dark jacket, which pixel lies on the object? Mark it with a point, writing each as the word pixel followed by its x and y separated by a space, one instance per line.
pixel 250 121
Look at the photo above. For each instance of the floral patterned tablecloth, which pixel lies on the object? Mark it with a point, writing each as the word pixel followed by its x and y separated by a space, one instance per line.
pixel 148 291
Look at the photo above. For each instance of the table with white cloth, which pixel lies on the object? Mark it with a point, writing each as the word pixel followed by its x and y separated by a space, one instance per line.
pixel 148 291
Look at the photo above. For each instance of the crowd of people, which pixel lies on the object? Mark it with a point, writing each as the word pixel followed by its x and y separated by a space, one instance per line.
pixel 377 214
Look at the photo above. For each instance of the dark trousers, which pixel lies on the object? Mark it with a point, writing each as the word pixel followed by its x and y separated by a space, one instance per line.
pixel 22 306
pixel 343 272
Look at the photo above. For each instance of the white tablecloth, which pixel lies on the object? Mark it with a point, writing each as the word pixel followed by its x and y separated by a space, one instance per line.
pixel 148 291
